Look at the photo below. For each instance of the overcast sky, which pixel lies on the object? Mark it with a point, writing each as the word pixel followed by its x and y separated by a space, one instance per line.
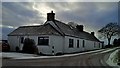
pixel 93 15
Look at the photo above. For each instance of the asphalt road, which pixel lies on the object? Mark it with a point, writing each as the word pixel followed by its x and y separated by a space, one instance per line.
pixel 91 60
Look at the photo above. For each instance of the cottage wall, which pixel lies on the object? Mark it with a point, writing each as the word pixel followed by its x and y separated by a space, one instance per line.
pixel 67 49
pixel 88 45
pixel 57 44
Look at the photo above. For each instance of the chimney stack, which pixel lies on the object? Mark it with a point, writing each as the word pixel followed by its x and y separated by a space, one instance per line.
pixel 51 16
pixel 93 33
pixel 80 27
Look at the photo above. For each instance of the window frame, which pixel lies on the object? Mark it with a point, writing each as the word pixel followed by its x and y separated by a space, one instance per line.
pixel 44 41
pixel 71 43
pixel 94 44
pixel 78 43
pixel 83 45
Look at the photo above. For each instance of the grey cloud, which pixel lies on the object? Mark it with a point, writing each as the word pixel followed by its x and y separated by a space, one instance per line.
pixel 93 15
pixel 16 14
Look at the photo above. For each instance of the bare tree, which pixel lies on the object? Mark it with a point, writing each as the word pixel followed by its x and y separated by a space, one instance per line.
pixel 73 24
pixel 111 29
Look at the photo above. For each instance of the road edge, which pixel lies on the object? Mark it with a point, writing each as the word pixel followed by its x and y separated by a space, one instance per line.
pixel 110 61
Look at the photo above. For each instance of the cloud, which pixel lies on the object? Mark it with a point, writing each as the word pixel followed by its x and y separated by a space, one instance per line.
pixel 93 15
pixel 60 0
pixel 5 32
pixel 16 14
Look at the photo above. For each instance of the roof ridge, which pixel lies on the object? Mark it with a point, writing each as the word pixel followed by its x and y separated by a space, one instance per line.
pixel 53 28
pixel 63 23
pixel 59 28
pixel 31 26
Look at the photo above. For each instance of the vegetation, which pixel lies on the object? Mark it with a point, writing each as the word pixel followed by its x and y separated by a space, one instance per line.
pixel 109 31
pixel 116 42
pixel 118 54
pixel 29 46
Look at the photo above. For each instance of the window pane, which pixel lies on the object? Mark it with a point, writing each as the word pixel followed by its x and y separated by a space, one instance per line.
pixel 43 40
pixel 77 43
pixel 83 43
pixel 40 41
pixel 70 43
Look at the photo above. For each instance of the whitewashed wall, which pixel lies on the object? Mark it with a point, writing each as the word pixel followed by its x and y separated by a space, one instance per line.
pixel 74 49
pixel 89 45
pixel 56 41
pixel 61 44
pixel 41 48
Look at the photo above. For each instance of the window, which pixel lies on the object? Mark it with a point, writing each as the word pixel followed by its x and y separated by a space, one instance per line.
pixel 94 44
pixel 43 40
pixel 52 47
pixel 22 40
pixel 83 43
pixel 70 43
pixel 77 43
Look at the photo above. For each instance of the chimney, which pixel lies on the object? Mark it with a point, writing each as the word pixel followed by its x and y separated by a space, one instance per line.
pixel 93 33
pixel 51 16
pixel 80 27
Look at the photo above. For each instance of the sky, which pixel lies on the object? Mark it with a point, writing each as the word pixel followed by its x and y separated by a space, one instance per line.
pixel 93 15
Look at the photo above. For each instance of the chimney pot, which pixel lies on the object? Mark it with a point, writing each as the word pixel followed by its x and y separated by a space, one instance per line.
pixel 80 27
pixel 51 11
pixel 51 16
pixel 93 33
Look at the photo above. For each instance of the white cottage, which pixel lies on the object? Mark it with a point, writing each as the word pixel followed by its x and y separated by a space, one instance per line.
pixel 55 37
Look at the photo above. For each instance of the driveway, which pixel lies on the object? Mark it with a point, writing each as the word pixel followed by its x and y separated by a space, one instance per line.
pixel 86 60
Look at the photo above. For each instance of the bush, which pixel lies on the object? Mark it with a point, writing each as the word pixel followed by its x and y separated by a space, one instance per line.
pixel 115 42
pixel 119 56
pixel 29 46
pixel 17 49
pixel 119 42
pixel 108 46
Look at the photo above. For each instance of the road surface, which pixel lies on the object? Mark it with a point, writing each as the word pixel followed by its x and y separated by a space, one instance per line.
pixel 90 60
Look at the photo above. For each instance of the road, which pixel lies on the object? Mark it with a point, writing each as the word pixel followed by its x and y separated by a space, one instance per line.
pixel 90 60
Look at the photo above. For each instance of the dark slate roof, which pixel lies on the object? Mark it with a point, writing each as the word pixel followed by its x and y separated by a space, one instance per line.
pixel 46 29
pixel 71 31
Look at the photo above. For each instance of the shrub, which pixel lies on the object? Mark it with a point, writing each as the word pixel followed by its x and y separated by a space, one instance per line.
pixel 59 53
pixel 118 56
pixel 115 42
pixel 119 42
pixel 29 46
pixel 17 49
